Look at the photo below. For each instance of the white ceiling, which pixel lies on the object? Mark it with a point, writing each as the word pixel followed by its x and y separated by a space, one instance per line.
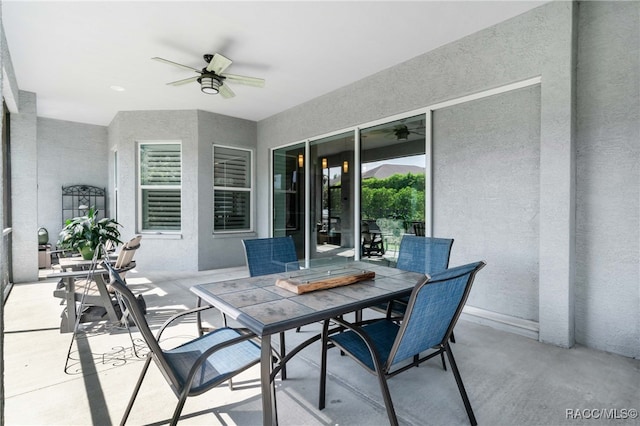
pixel 71 53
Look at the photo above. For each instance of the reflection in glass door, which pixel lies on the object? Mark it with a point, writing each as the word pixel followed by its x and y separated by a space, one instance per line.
pixel 288 195
pixel 332 192
pixel 392 194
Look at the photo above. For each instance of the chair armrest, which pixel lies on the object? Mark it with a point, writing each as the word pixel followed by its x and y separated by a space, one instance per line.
pixel 126 267
pixel 75 274
pixel 179 316
pixel 363 335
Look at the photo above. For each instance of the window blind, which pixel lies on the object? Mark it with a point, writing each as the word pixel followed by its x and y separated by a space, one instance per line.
pixel 160 179
pixel 160 164
pixel 232 189
pixel 232 168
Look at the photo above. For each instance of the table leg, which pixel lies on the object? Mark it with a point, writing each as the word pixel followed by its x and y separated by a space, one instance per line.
pixel 269 412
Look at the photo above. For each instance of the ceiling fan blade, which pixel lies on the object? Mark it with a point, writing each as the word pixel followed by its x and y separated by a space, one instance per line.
pixel 219 63
pixel 183 81
pixel 249 81
pixel 226 92
pixel 166 61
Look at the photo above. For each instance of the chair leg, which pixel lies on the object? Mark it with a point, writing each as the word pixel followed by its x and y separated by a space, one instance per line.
pixel 179 407
pixel 463 392
pixel 452 337
pixel 386 396
pixel 323 365
pixel 135 390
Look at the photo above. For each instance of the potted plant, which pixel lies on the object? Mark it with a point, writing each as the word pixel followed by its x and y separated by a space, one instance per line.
pixel 86 233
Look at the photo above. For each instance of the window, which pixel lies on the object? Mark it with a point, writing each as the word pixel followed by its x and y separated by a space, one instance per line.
pixel 160 185
pixel 115 184
pixel 232 189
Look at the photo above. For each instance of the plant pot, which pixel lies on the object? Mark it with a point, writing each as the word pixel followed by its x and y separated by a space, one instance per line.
pixel 43 236
pixel 87 252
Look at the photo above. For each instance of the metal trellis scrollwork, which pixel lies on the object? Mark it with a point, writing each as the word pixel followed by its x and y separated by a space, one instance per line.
pixel 78 199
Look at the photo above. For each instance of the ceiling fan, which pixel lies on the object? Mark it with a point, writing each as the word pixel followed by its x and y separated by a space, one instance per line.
pixel 212 78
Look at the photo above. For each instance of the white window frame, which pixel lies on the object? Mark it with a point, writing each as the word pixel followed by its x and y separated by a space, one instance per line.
pixel 234 188
pixel 115 184
pixel 141 187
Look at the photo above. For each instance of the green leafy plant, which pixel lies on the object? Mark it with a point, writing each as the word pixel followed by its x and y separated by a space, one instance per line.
pixel 86 233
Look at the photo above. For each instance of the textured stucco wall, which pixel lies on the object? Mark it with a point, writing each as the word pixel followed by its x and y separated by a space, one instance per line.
pixel 69 153
pixel 158 251
pixel 537 43
pixel 220 250
pixel 195 248
pixel 24 187
pixel 608 189
pixel 486 174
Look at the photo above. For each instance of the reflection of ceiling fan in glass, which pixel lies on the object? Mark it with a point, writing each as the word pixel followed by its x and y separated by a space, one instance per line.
pixel 401 131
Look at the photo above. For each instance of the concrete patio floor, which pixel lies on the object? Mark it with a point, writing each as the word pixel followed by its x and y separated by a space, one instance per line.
pixel 510 379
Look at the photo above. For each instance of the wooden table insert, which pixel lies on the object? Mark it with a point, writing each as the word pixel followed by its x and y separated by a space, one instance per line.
pixel 321 280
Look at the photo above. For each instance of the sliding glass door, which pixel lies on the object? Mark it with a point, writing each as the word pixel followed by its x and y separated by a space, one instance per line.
pixel 332 196
pixel 387 178
pixel 288 195
pixel 392 186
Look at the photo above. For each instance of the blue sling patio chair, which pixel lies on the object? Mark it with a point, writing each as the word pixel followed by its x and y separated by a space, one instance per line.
pixel 271 256
pixel 385 348
pixel 193 367
pixel 425 255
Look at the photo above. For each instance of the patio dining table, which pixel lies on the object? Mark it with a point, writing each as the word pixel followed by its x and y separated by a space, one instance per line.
pixel 266 309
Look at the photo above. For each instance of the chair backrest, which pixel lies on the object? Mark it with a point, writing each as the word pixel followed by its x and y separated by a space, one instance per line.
pixel 433 310
pixel 418 229
pixel 128 249
pixel 270 255
pixel 424 255
pixel 130 302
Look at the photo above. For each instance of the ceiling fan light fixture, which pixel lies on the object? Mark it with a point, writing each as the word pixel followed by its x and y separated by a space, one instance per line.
pixel 209 84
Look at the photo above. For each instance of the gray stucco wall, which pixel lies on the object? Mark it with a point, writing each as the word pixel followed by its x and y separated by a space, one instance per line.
pixel 24 187
pixel 195 248
pixel 157 251
pixel 69 153
pixel 608 159
pixel 220 250
pixel 538 43
pixel 486 174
